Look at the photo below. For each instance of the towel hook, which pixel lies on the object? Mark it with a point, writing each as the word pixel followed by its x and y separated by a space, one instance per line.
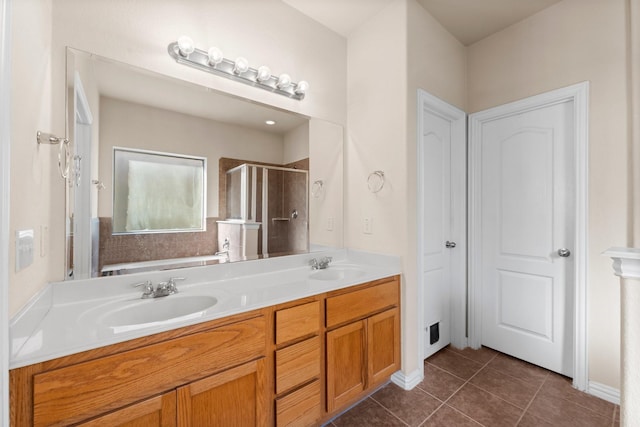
pixel 375 181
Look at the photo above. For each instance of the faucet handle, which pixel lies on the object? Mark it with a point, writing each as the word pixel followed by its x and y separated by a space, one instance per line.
pixel 148 288
pixel 171 284
pixel 146 284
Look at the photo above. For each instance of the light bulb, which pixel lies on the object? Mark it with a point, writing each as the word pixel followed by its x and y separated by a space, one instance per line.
pixel 215 56
pixel 185 45
pixel 270 122
pixel 241 65
pixel 284 81
pixel 302 87
pixel 264 74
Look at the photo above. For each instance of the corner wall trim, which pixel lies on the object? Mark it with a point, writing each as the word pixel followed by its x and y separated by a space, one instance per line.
pixel 5 136
pixel 407 382
pixel 604 392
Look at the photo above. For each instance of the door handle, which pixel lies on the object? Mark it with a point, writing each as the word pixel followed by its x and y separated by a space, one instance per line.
pixel 564 252
pixel 450 245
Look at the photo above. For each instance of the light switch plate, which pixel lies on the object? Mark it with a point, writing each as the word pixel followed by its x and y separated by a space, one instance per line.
pixel 367 225
pixel 24 249
pixel 330 224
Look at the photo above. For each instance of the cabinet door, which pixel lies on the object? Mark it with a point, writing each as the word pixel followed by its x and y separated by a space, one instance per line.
pixel 235 397
pixel 383 346
pixel 346 368
pixel 159 411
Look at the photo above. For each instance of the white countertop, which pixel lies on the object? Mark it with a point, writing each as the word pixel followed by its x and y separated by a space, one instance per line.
pixel 65 318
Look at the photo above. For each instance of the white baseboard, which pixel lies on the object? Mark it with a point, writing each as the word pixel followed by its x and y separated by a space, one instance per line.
pixel 605 392
pixel 407 382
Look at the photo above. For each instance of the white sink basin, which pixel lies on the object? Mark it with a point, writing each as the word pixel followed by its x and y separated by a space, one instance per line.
pixel 337 272
pixel 128 316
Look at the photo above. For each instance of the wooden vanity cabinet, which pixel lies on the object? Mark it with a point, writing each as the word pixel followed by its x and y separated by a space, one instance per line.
pixel 172 381
pixel 362 340
pixel 293 364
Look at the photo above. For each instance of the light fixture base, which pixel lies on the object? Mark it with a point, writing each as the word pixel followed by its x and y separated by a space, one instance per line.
pixel 200 59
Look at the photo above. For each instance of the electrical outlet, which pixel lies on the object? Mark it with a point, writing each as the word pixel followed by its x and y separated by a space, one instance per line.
pixel 367 225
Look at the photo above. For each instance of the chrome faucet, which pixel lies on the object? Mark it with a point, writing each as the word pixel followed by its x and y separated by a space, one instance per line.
pixel 320 264
pixel 225 248
pixel 162 290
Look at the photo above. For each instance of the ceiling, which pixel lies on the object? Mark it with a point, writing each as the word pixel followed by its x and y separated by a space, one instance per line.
pixel 468 20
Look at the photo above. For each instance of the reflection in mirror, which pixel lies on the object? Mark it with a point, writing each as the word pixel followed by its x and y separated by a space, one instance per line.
pixel 266 210
pixel 110 104
pixel 157 192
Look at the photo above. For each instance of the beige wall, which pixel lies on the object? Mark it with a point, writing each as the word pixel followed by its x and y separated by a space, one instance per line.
pixel 326 160
pixel 138 32
pixel 376 132
pixel 574 41
pixel 33 167
pixel 124 124
pixel 412 51
pixel 296 144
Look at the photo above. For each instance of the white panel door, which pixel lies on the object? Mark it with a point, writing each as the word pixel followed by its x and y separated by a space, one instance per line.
pixel 442 183
pixel 527 232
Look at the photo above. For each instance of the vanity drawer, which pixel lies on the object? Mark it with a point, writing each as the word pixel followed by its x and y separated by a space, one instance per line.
pixel 297 322
pixel 358 304
pixel 81 391
pixel 297 364
pixel 300 408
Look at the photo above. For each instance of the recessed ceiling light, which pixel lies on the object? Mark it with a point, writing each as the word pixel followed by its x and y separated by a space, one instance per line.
pixel 270 122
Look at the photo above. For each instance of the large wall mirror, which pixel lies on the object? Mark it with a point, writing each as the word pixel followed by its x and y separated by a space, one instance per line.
pixel 234 180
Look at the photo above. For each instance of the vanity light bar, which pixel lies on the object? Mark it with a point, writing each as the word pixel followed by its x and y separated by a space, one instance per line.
pixel 184 52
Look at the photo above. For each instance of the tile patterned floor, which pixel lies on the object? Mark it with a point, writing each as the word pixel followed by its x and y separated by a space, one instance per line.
pixel 482 388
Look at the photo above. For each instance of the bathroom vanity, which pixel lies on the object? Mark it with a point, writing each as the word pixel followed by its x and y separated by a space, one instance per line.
pixel 283 345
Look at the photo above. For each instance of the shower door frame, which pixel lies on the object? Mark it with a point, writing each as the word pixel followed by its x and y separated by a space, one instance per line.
pixel 250 214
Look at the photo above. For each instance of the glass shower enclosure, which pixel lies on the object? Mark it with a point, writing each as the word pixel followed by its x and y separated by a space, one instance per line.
pixel 266 212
